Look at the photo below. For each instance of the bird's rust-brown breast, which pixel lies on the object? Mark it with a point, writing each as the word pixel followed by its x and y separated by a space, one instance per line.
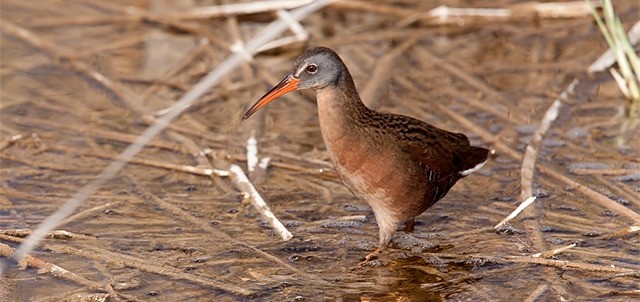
pixel 370 162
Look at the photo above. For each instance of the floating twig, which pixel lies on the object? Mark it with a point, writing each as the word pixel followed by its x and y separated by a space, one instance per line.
pixel 443 14
pixel 226 10
pixel 45 267
pixel 531 152
pixel 551 253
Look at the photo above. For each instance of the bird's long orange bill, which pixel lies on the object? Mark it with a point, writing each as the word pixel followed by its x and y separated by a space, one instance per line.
pixel 288 84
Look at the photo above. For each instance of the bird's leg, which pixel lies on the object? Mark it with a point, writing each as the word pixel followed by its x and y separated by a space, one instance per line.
pixel 387 229
pixel 409 225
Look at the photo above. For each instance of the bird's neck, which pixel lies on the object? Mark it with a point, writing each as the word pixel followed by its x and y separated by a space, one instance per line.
pixel 342 115
pixel 339 103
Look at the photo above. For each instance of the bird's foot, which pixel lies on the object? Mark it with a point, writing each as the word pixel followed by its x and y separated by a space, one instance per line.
pixel 372 256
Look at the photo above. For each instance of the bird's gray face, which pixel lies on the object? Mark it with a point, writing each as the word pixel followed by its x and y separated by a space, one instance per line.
pixel 317 68
pixel 317 71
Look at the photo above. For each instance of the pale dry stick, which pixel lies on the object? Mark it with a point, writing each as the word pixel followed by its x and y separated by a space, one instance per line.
pixel 50 268
pixel 201 159
pixel 517 211
pixel 443 14
pixel 365 6
pixel 382 72
pixel 92 211
pixel 258 202
pixel 632 229
pixel 299 33
pixel 122 260
pixel 238 46
pixel 454 15
pixel 608 58
pixel 539 291
pixel 505 149
pixel 533 147
pixel 150 163
pixel 10 141
pixel 252 152
pixel 564 264
pixel 264 36
pixel 228 10
pixel 360 218
pixel 604 171
pixel 328 173
pixel 551 253
pixel 57 234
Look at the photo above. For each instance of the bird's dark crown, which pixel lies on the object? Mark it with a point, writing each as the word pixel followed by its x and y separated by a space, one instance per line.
pixel 319 67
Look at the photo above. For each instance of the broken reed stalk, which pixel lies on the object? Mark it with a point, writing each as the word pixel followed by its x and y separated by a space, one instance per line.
pixel 459 15
pixel 267 34
pixel 258 202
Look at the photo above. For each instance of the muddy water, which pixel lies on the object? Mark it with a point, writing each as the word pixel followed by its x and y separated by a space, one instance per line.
pixel 159 234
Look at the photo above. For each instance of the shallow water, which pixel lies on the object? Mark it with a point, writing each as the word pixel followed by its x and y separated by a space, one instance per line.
pixel 161 234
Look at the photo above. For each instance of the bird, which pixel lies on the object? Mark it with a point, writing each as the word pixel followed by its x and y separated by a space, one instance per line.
pixel 399 165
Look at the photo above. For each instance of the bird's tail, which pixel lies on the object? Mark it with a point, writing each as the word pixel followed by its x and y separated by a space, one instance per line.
pixel 476 158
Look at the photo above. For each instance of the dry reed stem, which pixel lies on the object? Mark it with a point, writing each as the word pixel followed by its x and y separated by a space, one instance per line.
pixel 443 15
pixel 121 260
pixel 515 212
pixel 252 153
pixel 533 147
pixel 10 141
pixel 551 253
pixel 45 267
pixel 57 234
pixel 564 264
pixel 539 291
pixel 258 202
pixel 364 6
pixel 626 231
pixel 322 172
pixel 607 59
pixel 300 34
pixel 92 211
pixel 604 171
pixel 233 9
pixel 204 225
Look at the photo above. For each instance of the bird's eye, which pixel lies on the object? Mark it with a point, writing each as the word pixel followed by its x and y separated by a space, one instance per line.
pixel 312 68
